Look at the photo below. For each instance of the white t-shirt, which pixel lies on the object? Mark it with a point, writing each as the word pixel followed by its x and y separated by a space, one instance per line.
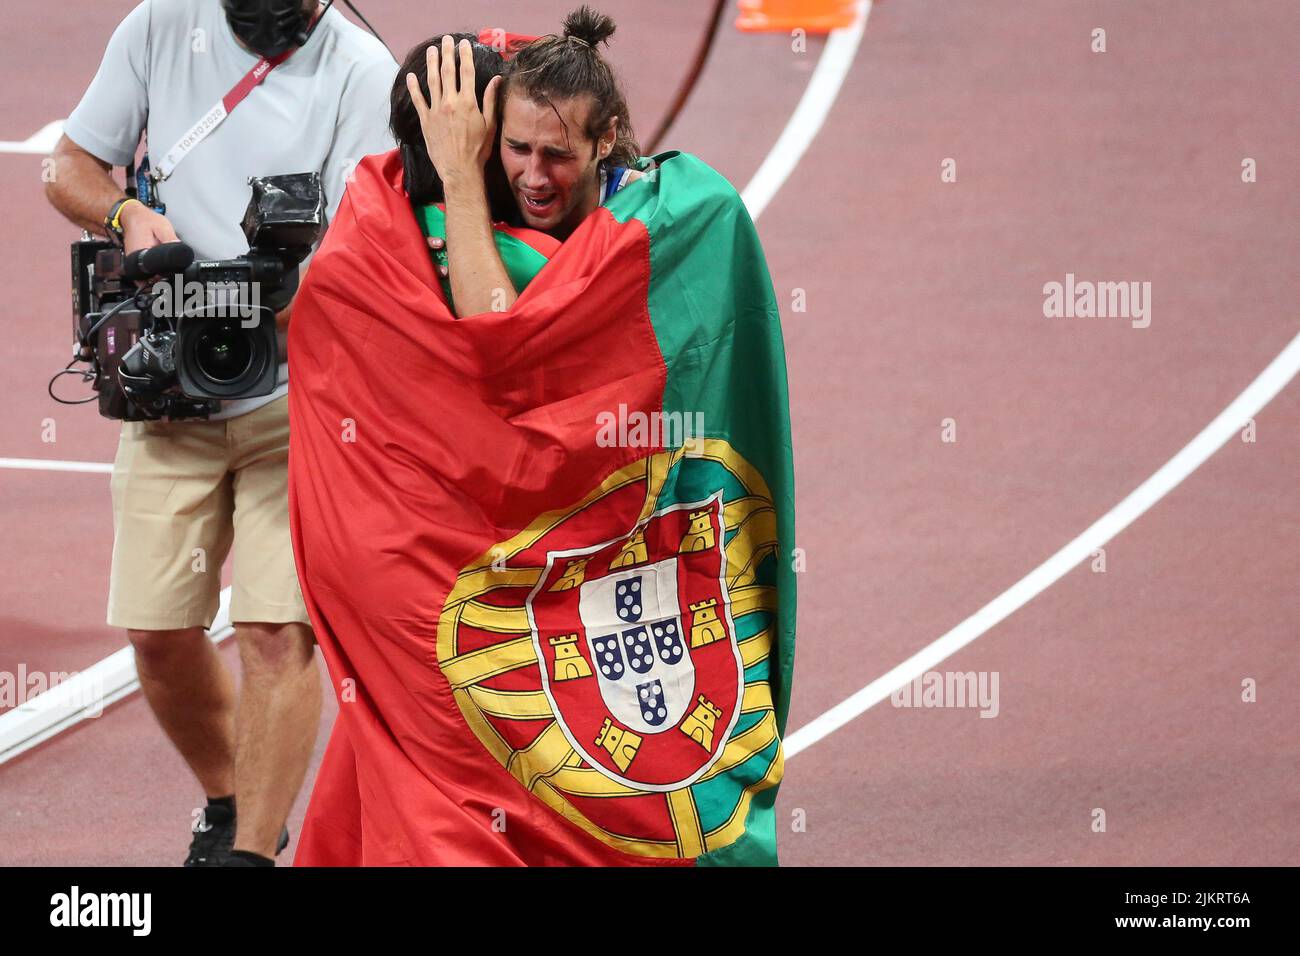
pixel 170 61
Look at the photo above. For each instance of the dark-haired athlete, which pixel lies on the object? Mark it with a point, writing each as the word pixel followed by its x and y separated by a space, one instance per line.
pixel 566 145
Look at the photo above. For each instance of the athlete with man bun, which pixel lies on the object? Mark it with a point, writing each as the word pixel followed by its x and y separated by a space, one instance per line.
pixel 567 145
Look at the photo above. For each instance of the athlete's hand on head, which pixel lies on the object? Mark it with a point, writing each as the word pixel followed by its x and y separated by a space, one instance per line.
pixel 458 136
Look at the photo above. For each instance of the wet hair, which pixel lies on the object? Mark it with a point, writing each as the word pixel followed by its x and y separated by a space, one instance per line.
pixel 423 184
pixel 562 67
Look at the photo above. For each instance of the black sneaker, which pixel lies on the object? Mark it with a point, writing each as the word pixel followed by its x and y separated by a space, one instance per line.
pixel 242 858
pixel 214 835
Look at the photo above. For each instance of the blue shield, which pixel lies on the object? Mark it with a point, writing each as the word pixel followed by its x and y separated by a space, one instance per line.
pixel 636 645
pixel 627 599
pixel 650 698
pixel 668 641
pixel 608 656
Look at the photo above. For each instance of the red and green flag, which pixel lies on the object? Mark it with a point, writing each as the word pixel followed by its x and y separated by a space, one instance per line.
pixel 547 552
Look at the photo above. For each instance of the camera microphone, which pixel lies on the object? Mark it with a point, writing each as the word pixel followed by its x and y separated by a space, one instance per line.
pixel 162 260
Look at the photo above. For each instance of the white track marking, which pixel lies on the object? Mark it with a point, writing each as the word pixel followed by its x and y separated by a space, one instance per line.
pixel 1213 437
pixel 84 695
pixel 24 728
pixel 41 142
pixel 808 117
pixel 50 464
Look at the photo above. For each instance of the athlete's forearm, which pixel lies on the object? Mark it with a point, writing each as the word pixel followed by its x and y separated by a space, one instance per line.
pixel 479 280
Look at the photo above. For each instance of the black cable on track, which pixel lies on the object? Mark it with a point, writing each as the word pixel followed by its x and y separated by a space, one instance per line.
pixel 692 77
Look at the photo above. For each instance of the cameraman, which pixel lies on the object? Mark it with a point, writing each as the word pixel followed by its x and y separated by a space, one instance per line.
pixel 184 492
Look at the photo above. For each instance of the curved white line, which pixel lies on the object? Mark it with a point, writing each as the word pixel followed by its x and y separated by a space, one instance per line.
pixel 1244 407
pixel 807 119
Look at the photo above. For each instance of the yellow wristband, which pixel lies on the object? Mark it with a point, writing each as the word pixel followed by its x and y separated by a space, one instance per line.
pixel 116 222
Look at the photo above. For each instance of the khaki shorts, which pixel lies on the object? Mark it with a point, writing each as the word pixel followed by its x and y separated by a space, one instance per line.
pixel 183 492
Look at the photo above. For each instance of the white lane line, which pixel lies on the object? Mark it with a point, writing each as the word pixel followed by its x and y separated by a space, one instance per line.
pixel 799 132
pixel 84 695
pixel 50 464
pixel 809 115
pixel 1213 437
pixel 41 142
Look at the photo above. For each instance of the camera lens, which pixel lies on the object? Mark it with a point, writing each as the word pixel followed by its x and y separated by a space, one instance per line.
pixel 223 352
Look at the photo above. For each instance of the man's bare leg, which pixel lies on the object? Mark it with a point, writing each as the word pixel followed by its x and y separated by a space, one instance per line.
pixel 192 695
pixel 278 717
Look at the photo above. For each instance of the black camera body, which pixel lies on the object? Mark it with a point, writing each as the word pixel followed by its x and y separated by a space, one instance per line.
pixel 204 333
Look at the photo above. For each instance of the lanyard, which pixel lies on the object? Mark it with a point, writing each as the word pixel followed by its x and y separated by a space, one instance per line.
pixel 214 117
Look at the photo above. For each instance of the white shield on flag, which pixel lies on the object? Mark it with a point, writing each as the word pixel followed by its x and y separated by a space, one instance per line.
pixel 633 624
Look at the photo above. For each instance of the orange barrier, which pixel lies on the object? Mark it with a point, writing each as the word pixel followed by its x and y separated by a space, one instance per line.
pixel 814 16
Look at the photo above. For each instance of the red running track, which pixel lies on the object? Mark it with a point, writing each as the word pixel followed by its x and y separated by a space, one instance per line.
pixel 1118 690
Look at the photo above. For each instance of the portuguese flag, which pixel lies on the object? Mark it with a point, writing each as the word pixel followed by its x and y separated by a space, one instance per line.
pixel 547 552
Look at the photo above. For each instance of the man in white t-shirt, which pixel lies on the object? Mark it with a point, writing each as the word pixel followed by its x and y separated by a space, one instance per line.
pixel 184 492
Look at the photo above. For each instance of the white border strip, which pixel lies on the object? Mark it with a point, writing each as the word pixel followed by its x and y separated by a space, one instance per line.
pixel 50 464
pixel 41 142
pixel 86 694
pixel 1213 437
pixel 809 115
